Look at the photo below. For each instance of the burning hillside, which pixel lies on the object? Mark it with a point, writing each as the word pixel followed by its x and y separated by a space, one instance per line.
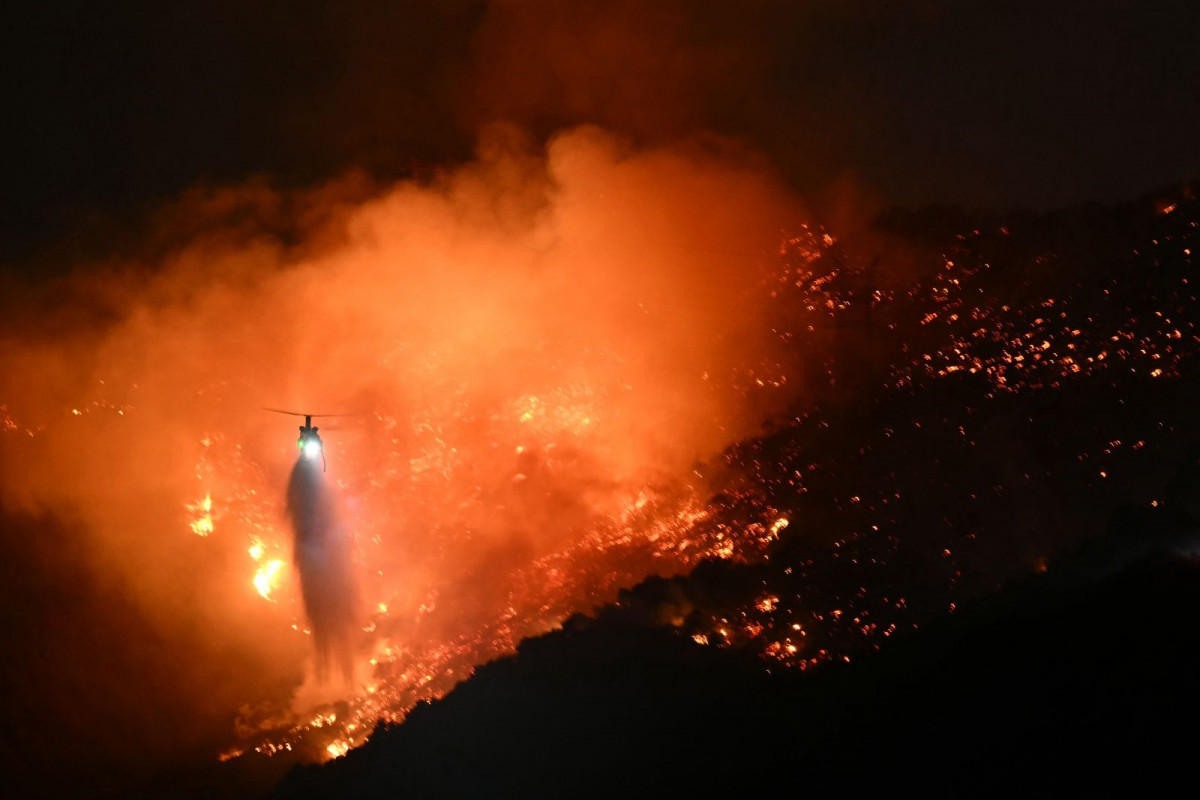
pixel 835 541
pixel 533 486
pixel 842 541
pixel 529 366
pixel 495 486
pixel 598 308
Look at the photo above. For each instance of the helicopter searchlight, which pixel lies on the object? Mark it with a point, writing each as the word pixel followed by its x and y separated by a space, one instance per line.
pixel 309 443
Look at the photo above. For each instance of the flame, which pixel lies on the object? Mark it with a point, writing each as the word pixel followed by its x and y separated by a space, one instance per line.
pixel 202 525
pixel 266 580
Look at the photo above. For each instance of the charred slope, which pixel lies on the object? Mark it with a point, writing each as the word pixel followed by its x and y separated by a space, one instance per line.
pixel 1052 687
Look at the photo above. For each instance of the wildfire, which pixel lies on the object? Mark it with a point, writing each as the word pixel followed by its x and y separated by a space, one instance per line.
pixel 767 604
pixel 1032 349
pixel 202 525
pixel 484 516
pixel 266 579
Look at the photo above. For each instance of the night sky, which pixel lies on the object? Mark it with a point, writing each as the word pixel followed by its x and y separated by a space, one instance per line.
pixel 111 109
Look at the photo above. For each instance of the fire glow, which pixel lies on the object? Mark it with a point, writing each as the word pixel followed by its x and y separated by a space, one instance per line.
pixel 266 579
pixel 539 354
pixel 535 350
pixel 203 524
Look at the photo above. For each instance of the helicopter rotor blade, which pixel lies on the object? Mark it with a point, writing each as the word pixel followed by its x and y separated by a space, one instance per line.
pixel 301 414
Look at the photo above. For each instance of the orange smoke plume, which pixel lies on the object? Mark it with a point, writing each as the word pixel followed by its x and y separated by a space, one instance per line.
pixel 532 346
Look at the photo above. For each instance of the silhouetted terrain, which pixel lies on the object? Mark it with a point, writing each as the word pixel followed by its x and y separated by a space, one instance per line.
pixel 1050 693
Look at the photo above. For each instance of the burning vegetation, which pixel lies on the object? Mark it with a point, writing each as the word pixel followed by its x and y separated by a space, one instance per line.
pixel 825 538
pixel 532 367
pixel 559 368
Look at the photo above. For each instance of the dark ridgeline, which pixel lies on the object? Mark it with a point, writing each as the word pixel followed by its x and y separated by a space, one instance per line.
pixel 1053 692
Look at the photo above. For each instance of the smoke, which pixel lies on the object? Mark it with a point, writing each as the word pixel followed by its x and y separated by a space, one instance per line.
pixel 529 346
pixel 649 70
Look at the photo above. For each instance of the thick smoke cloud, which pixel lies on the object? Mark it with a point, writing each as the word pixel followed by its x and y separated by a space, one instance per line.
pixel 525 345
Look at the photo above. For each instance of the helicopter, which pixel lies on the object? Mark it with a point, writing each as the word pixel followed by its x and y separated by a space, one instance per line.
pixel 310 440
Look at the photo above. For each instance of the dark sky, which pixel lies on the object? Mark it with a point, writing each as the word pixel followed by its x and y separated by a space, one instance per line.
pixel 111 108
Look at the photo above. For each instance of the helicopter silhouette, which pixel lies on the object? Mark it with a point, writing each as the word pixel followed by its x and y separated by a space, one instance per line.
pixel 322 554
pixel 310 443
